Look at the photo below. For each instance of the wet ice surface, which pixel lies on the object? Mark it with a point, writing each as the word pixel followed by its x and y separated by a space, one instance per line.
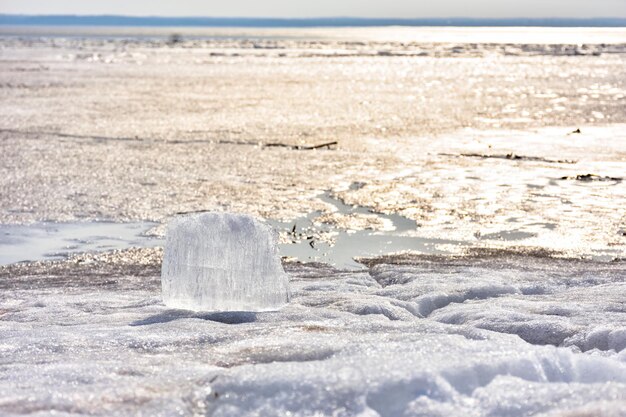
pixel 160 129
pixel 351 232
pixel 448 196
pixel 59 240
pixel 488 334
pixel 328 42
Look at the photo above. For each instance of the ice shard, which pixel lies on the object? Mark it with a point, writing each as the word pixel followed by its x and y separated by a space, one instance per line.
pixel 222 262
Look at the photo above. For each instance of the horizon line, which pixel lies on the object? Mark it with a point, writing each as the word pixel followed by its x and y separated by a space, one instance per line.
pixel 333 21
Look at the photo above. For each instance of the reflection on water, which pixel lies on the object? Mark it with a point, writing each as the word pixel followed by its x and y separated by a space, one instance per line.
pixel 306 239
pixel 342 246
pixel 59 240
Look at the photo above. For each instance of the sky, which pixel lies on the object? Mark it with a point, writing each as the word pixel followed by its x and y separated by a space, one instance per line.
pixel 325 8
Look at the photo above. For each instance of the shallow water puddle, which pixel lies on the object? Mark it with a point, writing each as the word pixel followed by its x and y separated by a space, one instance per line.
pixel 59 240
pixel 305 239
pixel 344 245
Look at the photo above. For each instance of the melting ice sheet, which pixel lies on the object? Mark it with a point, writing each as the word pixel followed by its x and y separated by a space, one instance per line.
pixel 482 336
pixel 58 240
pixel 308 239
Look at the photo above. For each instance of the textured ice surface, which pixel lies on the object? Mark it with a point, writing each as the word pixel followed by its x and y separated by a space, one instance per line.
pixel 222 261
pixel 66 108
pixel 91 337
pixel 139 108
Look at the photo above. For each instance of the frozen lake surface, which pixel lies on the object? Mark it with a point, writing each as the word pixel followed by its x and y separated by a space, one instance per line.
pixel 497 157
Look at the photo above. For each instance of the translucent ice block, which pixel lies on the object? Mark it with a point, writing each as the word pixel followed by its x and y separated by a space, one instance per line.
pixel 222 262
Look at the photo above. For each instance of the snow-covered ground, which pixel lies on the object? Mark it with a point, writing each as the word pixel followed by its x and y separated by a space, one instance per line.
pixel 486 334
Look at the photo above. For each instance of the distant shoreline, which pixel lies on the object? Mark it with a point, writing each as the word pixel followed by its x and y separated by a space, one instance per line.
pixel 142 21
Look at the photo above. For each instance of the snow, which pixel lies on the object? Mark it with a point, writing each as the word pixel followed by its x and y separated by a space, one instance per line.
pixel 443 375
pixel 515 336
pixel 222 262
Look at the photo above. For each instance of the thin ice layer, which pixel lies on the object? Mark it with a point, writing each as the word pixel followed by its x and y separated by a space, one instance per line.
pixel 222 262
